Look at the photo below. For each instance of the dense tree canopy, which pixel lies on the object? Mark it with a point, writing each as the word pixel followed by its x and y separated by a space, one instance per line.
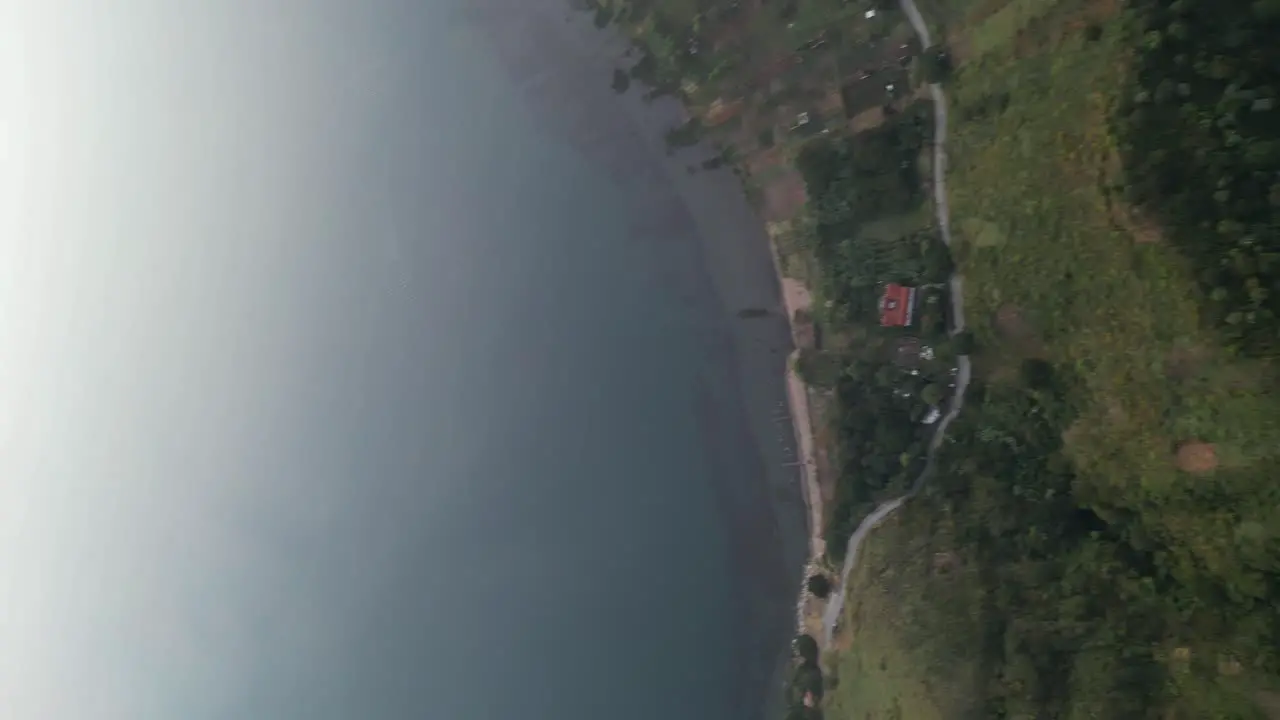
pixel 1202 132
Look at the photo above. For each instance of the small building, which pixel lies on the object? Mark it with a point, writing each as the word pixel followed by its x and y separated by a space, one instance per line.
pixel 897 305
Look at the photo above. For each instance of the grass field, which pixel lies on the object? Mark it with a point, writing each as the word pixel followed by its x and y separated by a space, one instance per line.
pixel 1057 266
pixel 899 656
pixel 1059 269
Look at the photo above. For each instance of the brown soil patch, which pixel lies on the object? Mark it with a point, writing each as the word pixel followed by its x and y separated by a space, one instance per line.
pixel 1197 457
pixel 1099 11
pixel 983 10
pixel 945 562
pixel 1185 363
pixel 1023 341
pixel 867 119
pixel 803 332
pixel 959 46
pixel 721 110
pixel 1229 666
pixel 764 159
pixel 831 104
pixel 823 442
pixel 842 641
pixel 1270 703
pixel 1012 324
pixel 813 610
pixel 1027 43
pixel 784 197
pixel 1133 221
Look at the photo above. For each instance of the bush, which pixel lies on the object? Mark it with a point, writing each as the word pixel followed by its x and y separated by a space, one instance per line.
pixel 935 64
pixel 933 394
pixel 819 369
pixel 1036 373
pixel 819 585
pixel 806 648
pixel 805 678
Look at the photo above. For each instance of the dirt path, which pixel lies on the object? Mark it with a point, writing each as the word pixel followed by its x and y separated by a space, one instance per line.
pixel 956 284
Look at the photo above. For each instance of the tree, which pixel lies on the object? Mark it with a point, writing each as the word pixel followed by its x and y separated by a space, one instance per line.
pixel 807 678
pixel 806 648
pixel 935 64
pixel 1036 373
pixel 819 585
pixel 1266 9
pixel 933 394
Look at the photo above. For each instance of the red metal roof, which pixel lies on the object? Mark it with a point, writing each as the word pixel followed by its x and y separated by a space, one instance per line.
pixel 896 305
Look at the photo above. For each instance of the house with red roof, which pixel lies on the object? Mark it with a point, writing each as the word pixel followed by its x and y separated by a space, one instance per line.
pixel 897 305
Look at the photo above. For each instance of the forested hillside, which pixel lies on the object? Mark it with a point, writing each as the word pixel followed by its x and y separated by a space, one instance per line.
pixel 1102 539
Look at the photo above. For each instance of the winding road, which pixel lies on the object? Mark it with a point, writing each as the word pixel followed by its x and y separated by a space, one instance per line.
pixel 832 615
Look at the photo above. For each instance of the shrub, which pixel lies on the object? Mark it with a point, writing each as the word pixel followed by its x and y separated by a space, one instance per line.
pixel 933 394
pixel 1036 373
pixel 819 585
pixel 806 648
pixel 935 64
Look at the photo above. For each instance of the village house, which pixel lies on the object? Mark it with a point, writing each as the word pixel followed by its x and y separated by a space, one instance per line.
pixel 897 305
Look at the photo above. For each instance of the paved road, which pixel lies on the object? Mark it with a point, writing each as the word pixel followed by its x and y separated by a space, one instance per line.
pixel 836 607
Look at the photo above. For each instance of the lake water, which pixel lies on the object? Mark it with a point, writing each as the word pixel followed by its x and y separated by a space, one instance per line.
pixel 377 362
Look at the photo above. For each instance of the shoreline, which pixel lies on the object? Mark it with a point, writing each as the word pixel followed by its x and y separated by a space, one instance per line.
pixel 776 214
pixel 810 610
pixel 779 524
pixel 796 299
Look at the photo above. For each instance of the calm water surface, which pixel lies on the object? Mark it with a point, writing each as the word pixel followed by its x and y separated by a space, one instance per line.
pixel 383 367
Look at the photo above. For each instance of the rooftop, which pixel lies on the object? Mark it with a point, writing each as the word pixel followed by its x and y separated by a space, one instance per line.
pixel 897 305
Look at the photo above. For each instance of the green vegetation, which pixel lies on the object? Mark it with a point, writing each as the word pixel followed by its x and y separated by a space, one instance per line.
pixel 853 181
pixel 1101 537
pixel 1201 147
pixel 805 687
pixel 1111 475
pixel 806 648
pixel 935 64
pixel 903 653
pixel 819 585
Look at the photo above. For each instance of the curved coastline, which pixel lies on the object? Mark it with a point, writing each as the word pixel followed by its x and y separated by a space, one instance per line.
pixel 731 259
